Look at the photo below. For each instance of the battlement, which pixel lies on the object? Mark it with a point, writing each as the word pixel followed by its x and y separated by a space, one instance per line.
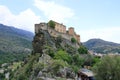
pixel 60 29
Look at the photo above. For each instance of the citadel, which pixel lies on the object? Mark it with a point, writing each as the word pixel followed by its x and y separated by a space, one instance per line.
pixel 59 30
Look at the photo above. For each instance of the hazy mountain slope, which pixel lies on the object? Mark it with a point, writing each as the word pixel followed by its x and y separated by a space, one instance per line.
pixel 14 41
pixel 101 46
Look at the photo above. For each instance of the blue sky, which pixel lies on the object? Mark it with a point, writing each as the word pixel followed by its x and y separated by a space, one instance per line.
pixel 90 18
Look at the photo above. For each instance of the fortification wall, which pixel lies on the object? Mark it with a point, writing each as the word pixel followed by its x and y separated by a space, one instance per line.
pixel 60 27
pixel 55 33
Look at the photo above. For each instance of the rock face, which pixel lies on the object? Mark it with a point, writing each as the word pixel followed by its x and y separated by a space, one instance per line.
pixel 43 39
pixel 38 43
pixel 66 72
pixel 47 67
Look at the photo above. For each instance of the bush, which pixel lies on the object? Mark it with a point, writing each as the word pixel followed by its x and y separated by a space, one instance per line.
pixel 78 60
pixel 62 55
pixel 22 77
pixel 82 50
pixel 2 76
pixel 50 51
pixel 73 40
pixel 108 68
pixel 75 68
pixel 51 24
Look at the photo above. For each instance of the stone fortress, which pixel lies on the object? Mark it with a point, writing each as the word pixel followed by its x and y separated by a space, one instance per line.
pixel 59 30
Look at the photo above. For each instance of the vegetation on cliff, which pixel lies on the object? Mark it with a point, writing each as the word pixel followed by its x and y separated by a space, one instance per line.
pixel 82 50
pixel 52 58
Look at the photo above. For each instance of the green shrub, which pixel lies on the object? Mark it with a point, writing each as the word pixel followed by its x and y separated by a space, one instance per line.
pixel 2 76
pixel 73 40
pixel 62 55
pixel 78 60
pixel 22 77
pixel 82 50
pixel 108 68
pixel 51 24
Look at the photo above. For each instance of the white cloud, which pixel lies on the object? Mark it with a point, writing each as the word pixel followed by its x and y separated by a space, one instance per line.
pixel 54 11
pixel 108 34
pixel 24 20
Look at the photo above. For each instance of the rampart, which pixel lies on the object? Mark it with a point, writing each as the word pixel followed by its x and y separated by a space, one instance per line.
pixel 55 33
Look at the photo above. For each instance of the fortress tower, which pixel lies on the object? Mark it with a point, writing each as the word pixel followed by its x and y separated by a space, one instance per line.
pixel 78 38
pixel 71 31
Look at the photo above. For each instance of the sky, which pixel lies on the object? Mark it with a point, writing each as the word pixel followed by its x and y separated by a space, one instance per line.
pixel 90 18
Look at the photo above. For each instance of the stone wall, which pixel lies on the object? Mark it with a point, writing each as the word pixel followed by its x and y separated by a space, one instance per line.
pixel 66 36
pixel 60 27
pixel 78 38
pixel 55 33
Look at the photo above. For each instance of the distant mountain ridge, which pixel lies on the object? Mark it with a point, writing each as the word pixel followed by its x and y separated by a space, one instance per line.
pixel 15 31
pixel 101 46
pixel 14 41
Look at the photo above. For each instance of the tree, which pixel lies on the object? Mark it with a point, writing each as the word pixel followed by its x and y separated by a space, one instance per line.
pixel 73 40
pixel 108 68
pixel 51 24
pixel 78 60
pixel 90 60
pixel 82 50
pixel 62 55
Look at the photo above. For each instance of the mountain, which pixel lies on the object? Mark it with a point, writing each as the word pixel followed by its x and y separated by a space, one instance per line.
pixel 101 46
pixel 14 43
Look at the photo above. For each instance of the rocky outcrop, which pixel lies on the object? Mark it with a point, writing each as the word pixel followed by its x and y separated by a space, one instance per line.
pixel 43 39
pixel 66 72
pixel 48 68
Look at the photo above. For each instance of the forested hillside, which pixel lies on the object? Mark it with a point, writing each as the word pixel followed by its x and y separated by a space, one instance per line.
pixel 14 43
